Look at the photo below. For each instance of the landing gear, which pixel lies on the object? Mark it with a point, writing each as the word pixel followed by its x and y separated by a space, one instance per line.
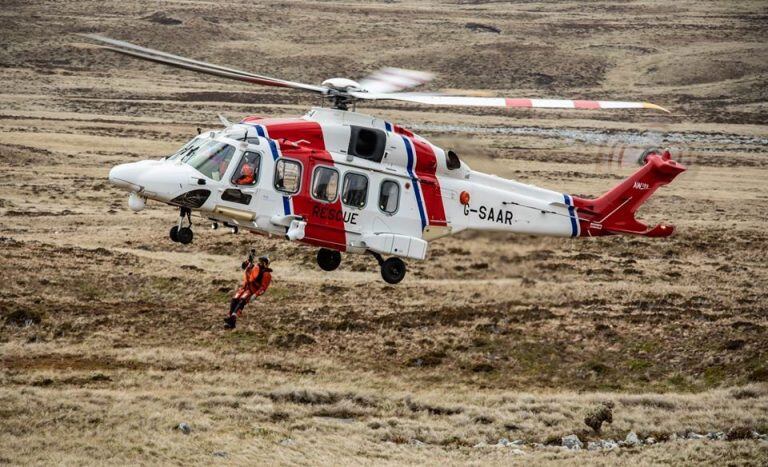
pixel 392 269
pixel 182 234
pixel 328 260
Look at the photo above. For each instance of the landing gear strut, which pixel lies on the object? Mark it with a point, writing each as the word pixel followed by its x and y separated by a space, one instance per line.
pixel 328 260
pixel 182 234
pixel 392 269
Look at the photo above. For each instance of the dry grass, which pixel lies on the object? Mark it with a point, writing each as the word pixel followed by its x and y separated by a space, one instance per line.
pixel 110 335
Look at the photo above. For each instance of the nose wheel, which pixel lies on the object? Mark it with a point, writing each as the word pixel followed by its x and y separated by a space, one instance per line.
pixel 328 260
pixel 392 269
pixel 179 233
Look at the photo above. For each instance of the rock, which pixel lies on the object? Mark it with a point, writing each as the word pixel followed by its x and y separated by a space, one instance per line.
pixel 416 442
pixel 697 436
pixel 763 437
pixel 517 452
pixel 572 442
pixel 220 454
pixel 650 440
pixel 609 445
pixel 184 428
pixel 287 442
pixel 602 445
pixel 481 444
pixel 673 437
pixel 716 435
pixel 632 439
pixel 503 442
pixel 517 442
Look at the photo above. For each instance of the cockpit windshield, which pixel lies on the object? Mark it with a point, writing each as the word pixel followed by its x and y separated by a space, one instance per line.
pixel 211 158
pixel 193 143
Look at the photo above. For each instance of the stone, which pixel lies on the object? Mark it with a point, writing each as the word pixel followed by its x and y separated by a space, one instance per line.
pixel 184 428
pixel 517 442
pixel 481 444
pixel 594 446
pixel 287 442
pixel 416 442
pixel 609 444
pixel 517 452
pixel 650 440
pixel 503 442
pixel 572 442
pixel 632 439
pixel 716 435
pixel 220 454
pixel 695 436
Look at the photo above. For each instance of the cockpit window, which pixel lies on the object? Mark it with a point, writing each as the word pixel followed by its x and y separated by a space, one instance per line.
pixel 193 143
pixel 210 159
pixel 247 172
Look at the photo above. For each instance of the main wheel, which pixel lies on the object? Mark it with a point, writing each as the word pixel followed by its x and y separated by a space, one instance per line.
pixel 393 270
pixel 185 235
pixel 328 260
pixel 174 233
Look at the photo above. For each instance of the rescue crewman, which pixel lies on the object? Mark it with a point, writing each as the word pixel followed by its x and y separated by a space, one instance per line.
pixel 256 280
pixel 246 175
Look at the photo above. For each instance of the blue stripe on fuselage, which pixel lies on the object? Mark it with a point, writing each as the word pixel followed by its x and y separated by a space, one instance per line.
pixel 409 151
pixel 275 156
pixel 572 215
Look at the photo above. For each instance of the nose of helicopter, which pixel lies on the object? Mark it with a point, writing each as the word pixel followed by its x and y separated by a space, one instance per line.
pixel 159 180
pixel 125 176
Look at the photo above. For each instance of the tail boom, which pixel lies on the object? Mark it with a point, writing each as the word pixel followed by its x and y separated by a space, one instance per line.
pixel 614 212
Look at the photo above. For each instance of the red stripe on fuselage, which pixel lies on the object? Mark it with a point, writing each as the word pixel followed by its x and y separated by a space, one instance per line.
pixel 303 132
pixel 426 166
pixel 325 221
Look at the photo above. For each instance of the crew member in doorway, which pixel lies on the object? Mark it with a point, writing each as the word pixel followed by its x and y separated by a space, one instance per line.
pixel 256 279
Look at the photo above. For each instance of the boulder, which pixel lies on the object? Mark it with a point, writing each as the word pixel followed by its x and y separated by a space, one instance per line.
pixel 184 428
pixel 632 439
pixel 572 442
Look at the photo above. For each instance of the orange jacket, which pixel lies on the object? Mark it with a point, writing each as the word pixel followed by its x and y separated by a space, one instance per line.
pixel 253 283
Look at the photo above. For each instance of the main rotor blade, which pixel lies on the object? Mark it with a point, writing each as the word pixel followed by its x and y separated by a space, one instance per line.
pixel 462 101
pixel 177 61
pixel 391 79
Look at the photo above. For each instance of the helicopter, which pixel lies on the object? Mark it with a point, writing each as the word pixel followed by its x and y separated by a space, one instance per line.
pixel 346 182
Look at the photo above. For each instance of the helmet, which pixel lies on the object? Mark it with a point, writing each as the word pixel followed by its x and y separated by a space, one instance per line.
pixel 247 170
pixel 264 259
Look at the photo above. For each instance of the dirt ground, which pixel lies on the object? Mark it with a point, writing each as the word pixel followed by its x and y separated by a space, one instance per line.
pixel 110 335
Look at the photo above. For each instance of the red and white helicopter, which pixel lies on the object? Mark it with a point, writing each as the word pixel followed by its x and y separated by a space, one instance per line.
pixel 347 182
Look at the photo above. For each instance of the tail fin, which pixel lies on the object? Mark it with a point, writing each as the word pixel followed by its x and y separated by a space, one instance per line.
pixel 614 212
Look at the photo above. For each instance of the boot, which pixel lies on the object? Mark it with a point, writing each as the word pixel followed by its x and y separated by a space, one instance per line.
pixel 233 305
pixel 230 321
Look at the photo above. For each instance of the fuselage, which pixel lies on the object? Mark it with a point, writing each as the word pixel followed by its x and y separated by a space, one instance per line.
pixel 344 181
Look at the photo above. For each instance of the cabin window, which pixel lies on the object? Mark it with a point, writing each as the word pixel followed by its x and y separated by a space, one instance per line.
pixel 389 196
pixel 355 191
pixel 368 143
pixel 247 172
pixel 325 184
pixel 287 176
pixel 452 161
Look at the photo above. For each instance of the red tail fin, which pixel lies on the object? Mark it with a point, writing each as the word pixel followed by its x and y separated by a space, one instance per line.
pixel 614 212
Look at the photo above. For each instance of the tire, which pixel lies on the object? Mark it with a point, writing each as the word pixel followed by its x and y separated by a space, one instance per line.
pixel 185 235
pixel 174 234
pixel 328 260
pixel 393 270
